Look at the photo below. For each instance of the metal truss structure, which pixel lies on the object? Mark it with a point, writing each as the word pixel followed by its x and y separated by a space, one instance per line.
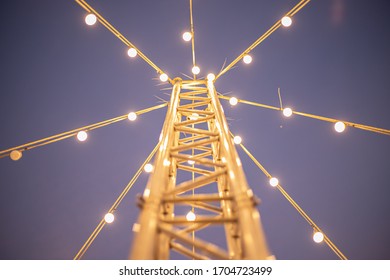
pixel 197 168
pixel 198 190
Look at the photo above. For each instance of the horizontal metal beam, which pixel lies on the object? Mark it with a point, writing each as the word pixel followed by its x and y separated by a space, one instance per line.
pixel 198 160
pixel 199 219
pixel 207 248
pixel 196 183
pixel 197 197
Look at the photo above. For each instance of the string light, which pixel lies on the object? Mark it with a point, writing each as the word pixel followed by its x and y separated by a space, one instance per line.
pixel 211 77
pixel 109 218
pixel 82 136
pixel 237 140
pixel 148 168
pixel 339 127
pixel 318 237
pixel 90 19
pixel 191 216
pixel 132 52
pixel 274 182
pixel 132 116
pixel 195 70
pixel 187 36
pixel 163 77
pixel 193 116
pixel 247 59
pixel 15 155
pixel 287 112
pixel 286 21
pixel 191 162
pixel 233 101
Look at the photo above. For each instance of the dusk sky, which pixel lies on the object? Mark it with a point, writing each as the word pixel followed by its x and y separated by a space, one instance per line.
pixel 59 74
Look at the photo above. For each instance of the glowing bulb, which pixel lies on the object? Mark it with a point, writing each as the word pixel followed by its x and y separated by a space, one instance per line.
pixel 286 21
pixel 146 193
pixel 191 216
pixel 318 237
pixel 237 140
pixel 247 59
pixel 274 182
pixel 132 52
pixel 109 218
pixel 163 77
pixel 195 70
pixel 339 127
pixel 287 112
pixel 148 168
pixel 136 227
pixel 191 162
pixel 187 36
pixel 82 136
pixel 211 77
pixel 90 19
pixel 132 116
pixel 193 116
pixel 233 101
pixel 15 155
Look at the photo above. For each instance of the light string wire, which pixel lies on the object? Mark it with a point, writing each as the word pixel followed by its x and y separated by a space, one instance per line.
pixel 277 24
pixel 114 207
pixel 315 227
pixel 326 119
pixel 71 133
pixel 114 31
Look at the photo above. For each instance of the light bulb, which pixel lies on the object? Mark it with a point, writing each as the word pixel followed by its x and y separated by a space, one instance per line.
pixel 82 136
pixel 132 116
pixel 191 216
pixel 247 59
pixel 274 182
pixel 132 52
pixel 233 101
pixel 195 70
pixel 193 116
pixel 339 127
pixel 15 155
pixel 191 162
pixel 318 237
pixel 163 77
pixel 211 77
pixel 287 112
pixel 237 140
pixel 148 168
pixel 286 21
pixel 109 218
pixel 90 19
pixel 187 36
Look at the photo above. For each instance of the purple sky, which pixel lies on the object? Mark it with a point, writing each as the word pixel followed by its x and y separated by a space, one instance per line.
pixel 58 74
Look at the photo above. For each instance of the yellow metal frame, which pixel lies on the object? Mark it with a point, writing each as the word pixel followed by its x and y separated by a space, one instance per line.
pixel 196 130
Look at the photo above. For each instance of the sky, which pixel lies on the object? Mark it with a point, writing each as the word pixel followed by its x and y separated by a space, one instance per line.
pixel 58 74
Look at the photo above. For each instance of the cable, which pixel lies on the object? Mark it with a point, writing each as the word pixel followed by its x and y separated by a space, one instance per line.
pixel 71 133
pixel 114 207
pixel 326 119
pixel 274 27
pixel 295 205
pixel 114 31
